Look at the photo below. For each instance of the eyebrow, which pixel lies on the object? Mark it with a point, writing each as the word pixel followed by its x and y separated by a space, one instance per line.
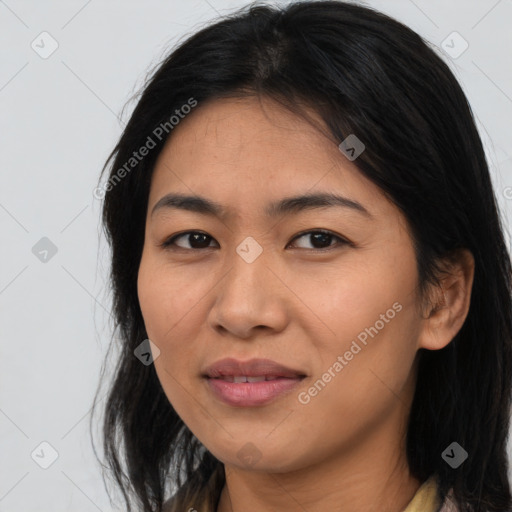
pixel 284 206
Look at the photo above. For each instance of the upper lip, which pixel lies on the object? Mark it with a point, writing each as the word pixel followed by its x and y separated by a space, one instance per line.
pixel 250 368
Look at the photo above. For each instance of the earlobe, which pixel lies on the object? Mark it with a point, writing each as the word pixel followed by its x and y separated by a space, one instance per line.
pixel 451 305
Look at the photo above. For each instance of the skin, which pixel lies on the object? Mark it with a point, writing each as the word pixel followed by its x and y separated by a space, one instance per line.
pixel 299 304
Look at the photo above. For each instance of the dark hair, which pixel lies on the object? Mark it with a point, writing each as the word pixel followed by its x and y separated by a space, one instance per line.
pixel 366 74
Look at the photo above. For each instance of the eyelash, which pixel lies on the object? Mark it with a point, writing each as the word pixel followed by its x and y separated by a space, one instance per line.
pixel 170 242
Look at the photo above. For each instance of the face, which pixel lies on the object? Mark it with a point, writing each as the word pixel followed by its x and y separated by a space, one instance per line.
pixel 328 291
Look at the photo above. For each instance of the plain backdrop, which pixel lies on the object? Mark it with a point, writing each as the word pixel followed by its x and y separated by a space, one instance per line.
pixel 58 122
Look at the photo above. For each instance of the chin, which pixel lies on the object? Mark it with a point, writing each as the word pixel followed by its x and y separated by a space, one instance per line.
pixel 260 455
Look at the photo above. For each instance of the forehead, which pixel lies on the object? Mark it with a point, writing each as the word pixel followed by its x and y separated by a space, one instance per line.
pixel 245 152
pixel 233 129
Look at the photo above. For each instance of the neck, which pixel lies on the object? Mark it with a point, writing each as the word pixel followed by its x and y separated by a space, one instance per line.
pixel 372 475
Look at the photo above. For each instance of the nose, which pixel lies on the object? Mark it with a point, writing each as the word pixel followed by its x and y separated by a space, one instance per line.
pixel 250 298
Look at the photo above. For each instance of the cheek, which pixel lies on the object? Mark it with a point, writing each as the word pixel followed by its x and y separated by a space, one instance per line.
pixel 170 303
pixel 352 397
pixel 362 292
pixel 370 320
pixel 168 299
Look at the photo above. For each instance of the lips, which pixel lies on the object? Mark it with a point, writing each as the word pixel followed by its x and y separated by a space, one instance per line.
pixel 254 370
pixel 252 383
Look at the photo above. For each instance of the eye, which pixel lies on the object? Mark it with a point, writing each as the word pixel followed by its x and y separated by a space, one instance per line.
pixel 321 238
pixel 196 239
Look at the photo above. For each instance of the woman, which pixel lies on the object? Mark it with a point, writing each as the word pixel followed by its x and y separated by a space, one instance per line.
pixel 310 277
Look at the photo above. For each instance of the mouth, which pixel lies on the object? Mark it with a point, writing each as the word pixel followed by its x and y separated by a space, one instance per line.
pixel 253 368
pixel 247 378
pixel 252 383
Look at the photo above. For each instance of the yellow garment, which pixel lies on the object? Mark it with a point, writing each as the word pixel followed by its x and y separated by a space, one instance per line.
pixel 426 498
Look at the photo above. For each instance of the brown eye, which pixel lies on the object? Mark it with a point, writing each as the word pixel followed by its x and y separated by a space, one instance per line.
pixel 195 239
pixel 320 239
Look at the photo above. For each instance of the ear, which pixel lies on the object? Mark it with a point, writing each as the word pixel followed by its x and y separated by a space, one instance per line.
pixel 451 302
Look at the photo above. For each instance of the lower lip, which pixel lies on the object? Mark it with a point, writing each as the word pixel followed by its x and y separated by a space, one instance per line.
pixel 249 394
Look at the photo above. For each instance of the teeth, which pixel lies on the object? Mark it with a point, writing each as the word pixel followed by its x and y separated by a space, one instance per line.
pixel 255 379
pixel 243 378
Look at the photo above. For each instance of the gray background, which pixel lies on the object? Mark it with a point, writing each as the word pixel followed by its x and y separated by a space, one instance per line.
pixel 59 121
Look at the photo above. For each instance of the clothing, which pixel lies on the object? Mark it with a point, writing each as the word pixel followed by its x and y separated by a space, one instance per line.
pixel 427 499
